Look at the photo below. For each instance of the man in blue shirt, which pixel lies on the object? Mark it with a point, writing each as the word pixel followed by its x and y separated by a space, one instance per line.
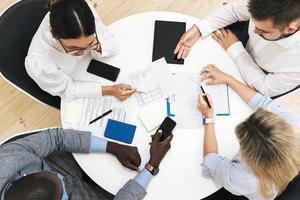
pixel 40 166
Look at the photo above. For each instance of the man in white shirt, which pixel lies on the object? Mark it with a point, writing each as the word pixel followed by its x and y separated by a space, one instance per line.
pixel 273 46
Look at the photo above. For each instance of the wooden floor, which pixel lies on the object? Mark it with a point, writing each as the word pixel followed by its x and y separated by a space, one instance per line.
pixel 19 113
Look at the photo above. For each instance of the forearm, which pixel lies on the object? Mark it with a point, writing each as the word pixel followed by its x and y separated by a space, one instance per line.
pixel 46 142
pixel 224 16
pixel 56 82
pixel 244 91
pixel 107 90
pixel 210 141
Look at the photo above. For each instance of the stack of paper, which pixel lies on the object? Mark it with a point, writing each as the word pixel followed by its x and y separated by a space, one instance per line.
pixel 154 83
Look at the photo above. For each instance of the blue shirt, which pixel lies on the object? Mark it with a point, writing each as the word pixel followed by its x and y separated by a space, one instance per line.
pixel 99 145
pixel 234 175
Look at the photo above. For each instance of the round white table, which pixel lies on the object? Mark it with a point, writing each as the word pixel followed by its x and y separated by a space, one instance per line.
pixel 180 171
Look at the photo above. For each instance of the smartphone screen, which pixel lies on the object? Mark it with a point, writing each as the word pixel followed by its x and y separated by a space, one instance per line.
pixel 167 127
pixel 103 70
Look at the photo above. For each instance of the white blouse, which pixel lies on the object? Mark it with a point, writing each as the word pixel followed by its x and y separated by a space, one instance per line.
pixel 53 70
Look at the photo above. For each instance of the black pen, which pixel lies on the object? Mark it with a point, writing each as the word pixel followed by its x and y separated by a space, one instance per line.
pixel 205 97
pixel 101 116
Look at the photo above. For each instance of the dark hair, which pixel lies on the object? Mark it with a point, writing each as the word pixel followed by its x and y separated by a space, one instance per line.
pixel 70 19
pixel 282 12
pixel 34 187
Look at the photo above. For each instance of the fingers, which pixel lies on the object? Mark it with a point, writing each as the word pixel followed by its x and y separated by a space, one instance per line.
pixel 180 44
pixel 136 160
pixel 124 91
pixel 206 75
pixel 186 51
pixel 131 166
pixel 209 68
pixel 168 139
pixel 201 100
pixel 223 32
pixel 209 98
pixel 156 137
pixel 229 32
pixel 206 69
pixel 210 81
pixel 180 53
pixel 125 86
pixel 216 38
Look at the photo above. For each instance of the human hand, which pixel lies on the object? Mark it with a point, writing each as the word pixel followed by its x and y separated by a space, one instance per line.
pixel 212 75
pixel 203 106
pixel 97 47
pixel 120 91
pixel 225 38
pixel 159 149
pixel 186 42
pixel 128 156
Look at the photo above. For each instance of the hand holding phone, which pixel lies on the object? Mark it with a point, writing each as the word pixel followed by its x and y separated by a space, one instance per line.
pixel 167 127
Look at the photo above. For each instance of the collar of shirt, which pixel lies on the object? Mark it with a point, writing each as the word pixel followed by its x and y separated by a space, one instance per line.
pixel 289 41
pixel 65 194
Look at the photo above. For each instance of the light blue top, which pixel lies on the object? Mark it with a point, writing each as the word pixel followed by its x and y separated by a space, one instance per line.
pixel 234 175
pixel 99 145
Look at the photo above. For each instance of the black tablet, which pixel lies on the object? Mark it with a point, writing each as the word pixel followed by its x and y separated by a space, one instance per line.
pixel 103 70
pixel 166 36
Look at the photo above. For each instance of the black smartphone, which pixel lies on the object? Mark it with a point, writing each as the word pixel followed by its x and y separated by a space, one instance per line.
pixel 103 70
pixel 167 127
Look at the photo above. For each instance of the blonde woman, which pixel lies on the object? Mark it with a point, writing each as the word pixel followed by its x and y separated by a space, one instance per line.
pixel 269 156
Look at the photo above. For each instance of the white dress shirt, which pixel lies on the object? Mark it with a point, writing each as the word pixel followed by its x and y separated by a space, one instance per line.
pixel 281 58
pixel 53 70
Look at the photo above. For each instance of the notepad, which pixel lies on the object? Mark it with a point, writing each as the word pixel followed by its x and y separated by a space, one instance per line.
pixel 152 115
pixel 119 131
pixel 166 36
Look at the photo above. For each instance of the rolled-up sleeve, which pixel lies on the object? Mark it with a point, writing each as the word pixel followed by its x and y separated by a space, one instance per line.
pixel 54 81
pixel 271 84
pixel 224 16
pixel 229 174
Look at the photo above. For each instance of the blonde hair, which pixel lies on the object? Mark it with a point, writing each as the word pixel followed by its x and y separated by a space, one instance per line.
pixel 270 147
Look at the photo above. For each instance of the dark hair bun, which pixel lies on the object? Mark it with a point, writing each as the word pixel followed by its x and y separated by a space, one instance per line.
pixel 51 3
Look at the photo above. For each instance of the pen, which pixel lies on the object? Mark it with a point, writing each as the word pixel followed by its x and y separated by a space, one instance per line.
pixel 101 116
pixel 205 97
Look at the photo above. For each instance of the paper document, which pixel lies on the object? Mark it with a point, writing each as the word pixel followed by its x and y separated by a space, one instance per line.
pixel 184 104
pixel 94 107
pixel 155 82
pixel 81 111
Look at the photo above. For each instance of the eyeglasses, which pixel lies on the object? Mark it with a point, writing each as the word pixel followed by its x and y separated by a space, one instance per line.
pixel 72 51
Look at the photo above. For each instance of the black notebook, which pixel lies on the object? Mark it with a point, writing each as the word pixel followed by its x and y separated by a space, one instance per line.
pixel 166 36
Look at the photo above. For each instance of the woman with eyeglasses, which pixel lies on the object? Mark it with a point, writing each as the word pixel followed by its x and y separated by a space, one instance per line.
pixel 269 155
pixel 69 32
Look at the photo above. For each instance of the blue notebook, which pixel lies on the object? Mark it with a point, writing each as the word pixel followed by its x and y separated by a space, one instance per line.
pixel 120 131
